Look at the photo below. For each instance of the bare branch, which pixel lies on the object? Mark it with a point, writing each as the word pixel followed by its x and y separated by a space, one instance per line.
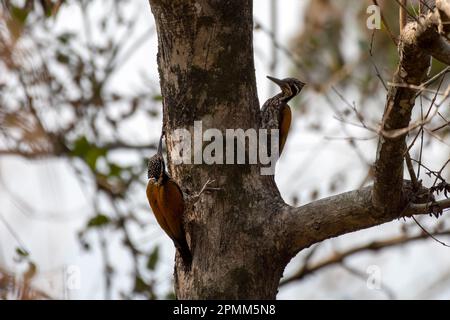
pixel 21 286
pixel 419 41
pixel 344 213
pixel 373 246
pixel 402 15
pixel 386 25
pixel 412 173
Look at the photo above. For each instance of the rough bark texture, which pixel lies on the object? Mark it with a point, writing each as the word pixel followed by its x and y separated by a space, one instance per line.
pixel 243 236
pixel 207 73
pixel 412 70
pixel 419 41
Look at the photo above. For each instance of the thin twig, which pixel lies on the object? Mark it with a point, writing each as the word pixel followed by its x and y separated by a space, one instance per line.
pixel 402 14
pixel 373 246
pixel 429 234
pixel 412 174
pixel 386 25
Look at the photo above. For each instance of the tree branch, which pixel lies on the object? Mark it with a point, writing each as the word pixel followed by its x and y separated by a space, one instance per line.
pixel 402 15
pixel 413 66
pixel 341 214
pixel 39 154
pixel 20 286
pixel 340 257
pixel 419 41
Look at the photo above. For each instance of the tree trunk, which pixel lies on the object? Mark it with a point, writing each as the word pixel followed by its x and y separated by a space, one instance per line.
pixel 243 236
pixel 207 73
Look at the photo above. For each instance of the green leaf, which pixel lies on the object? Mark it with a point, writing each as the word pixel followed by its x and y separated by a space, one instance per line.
pixel 22 252
pixel 89 152
pixel 114 170
pixel 19 14
pixel 98 221
pixel 171 296
pixel 153 259
pixel 65 37
pixel 81 146
pixel 62 58
pixel 92 156
pixel 140 285
pixel 48 10
pixel 157 97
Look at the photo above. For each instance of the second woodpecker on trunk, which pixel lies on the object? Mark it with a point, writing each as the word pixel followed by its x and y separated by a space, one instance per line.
pixel 276 113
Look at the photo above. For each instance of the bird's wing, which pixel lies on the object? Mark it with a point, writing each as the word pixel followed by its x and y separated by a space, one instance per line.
pixel 285 124
pixel 171 196
pixel 153 199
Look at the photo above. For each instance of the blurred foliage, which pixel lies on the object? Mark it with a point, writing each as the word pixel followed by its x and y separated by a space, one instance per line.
pixel 326 44
pixel 330 27
pixel 56 101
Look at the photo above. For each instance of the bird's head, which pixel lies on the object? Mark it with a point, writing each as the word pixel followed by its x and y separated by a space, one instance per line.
pixel 156 166
pixel 290 87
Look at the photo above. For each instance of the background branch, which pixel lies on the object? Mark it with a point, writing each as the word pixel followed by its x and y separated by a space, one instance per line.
pixel 341 214
pixel 339 257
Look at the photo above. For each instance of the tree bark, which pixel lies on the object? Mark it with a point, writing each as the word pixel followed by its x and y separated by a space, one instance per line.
pixel 243 236
pixel 207 73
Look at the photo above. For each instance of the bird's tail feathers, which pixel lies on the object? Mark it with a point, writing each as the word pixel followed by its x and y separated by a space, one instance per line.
pixel 184 251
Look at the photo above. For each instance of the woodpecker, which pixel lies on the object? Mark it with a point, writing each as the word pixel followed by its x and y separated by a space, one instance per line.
pixel 167 202
pixel 275 113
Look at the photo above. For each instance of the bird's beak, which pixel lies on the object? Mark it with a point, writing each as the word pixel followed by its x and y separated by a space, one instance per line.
pixel 277 81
